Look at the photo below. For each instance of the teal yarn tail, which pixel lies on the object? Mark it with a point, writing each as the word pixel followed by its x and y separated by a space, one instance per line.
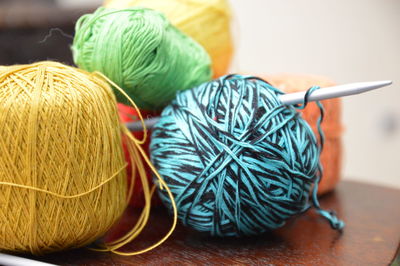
pixel 330 215
pixel 139 50
pixel 237 161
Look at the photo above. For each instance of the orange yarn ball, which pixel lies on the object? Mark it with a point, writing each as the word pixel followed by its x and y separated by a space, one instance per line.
pixel 331 156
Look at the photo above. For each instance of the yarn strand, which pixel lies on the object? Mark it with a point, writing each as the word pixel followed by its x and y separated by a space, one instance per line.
pixel 142 221
pixel 330 215
pixel 61 196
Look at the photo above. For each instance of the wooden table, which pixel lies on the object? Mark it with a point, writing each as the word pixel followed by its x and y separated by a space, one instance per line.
pixel 371 237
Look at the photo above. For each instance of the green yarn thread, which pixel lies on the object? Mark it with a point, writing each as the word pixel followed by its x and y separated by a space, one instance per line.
pixel 141 52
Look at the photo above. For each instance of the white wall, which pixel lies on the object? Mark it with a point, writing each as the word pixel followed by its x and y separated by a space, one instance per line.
pixel 348 41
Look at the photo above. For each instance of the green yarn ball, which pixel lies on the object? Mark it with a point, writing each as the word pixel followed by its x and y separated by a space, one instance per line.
pixel 139 50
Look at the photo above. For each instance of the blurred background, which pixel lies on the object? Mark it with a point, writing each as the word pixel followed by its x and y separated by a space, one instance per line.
pixel 347 41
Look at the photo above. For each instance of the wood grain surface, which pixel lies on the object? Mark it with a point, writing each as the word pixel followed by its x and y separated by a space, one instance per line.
pixel 371 237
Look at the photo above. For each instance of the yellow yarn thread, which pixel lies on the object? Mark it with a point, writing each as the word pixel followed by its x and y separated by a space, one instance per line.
pixel 206 21
pixel 137 151
pixel 62 177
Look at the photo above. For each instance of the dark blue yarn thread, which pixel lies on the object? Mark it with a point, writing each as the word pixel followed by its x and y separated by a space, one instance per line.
pixel 237 161
pixel 330 215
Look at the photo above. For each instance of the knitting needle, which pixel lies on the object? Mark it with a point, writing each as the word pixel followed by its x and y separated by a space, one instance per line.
pixel 298 98
pixel 6 259
pixel 333 92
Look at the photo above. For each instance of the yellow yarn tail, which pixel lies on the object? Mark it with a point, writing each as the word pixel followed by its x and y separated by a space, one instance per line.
pixel 136 154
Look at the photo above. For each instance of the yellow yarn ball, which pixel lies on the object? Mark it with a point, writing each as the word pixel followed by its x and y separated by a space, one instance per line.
pixel 62 170
pixel 206 21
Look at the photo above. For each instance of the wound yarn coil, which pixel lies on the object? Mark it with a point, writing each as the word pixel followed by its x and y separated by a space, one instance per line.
pixel 62 168
pixel 206 21
pixel 62 177
pixel 139 50
pixel 237 161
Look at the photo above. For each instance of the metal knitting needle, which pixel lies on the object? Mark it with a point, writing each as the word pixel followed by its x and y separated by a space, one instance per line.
pixel 298 98
pixel 6 259
pixel 333 92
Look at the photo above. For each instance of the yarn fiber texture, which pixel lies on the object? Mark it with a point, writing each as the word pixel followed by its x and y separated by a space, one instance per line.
pixel 331 156
pixel 141 52
pixel 206 21
pixel 62 176
pixel 129 114
pixel 237 161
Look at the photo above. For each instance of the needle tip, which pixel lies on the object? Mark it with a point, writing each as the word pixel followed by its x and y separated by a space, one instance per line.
pixel 386 82
pixel 376 84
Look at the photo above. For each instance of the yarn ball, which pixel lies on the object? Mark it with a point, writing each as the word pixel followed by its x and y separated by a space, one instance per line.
pixel 129 114
pixel 139 50
pixel 62 176
pixel 331 156
pixel 206 21
pixel 237 161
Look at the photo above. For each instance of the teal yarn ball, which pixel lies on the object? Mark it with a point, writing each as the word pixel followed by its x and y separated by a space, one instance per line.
pixel 139 50
pixel 237 161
